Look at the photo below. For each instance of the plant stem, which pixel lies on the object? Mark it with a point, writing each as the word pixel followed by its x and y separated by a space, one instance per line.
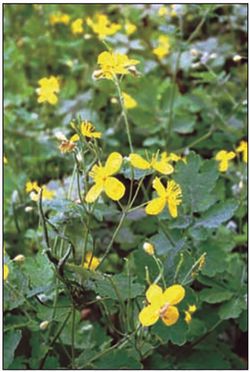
pixel 124 113
pixel 54 340
pixel 73 338
pixel 113 238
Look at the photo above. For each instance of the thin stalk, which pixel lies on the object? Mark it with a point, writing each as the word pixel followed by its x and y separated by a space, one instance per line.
pixel 113 238
pixel 54 340
pixel 73 338
pixel 124 113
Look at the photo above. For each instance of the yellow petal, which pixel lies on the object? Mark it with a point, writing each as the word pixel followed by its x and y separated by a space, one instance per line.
pixel 5 272
pixel 74 138
pixel 174 294
pixel 171 316
pixel 94 192
pixel 154 295
pixel 149 315
pixel 113 163
pixel 138 162
pixel 114 188
pixel 163 167
pixel 158 186
pixel 231 155
pixel 223 166
pixel 172 207
pixel 155 206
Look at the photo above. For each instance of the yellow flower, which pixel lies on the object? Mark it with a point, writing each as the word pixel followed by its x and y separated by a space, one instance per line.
pixel 31 186
pixel 223 158
pixel 102 26
pixel 243 147
pixel 188 317
pixel 88 130
pixel 163 47
pixel 161 165
pixel 5 160
pixel 161 305
pixel 149 248
pixel 171 195
pixel 114 63
pixel 188 313
pixel 192 308
pixel 102 176
pixel 48 88
pixel 175 157
pixel 130 28
pixel 129 102
pixel 59 18
pixel 47 194
pixel 163 10
pixel 77 26
pixel 91 262
pixel 5 272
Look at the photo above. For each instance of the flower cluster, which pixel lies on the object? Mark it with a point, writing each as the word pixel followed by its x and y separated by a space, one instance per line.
pixel 48 89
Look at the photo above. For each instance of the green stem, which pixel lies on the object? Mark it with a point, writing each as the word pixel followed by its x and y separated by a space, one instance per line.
pixel 73 338
pixel 124 113
pixel 113 238
pixel 54 340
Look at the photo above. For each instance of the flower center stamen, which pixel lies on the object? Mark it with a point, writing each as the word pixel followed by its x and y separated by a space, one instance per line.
pixel 164 309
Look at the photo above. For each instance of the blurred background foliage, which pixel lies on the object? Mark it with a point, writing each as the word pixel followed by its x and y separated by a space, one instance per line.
pixel 201 87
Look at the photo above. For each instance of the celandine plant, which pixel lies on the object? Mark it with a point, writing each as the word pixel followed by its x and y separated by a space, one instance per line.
pixel 135 267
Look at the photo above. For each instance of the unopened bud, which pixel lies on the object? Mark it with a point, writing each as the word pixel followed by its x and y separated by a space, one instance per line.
pixel 79 157
pixel 44 325
pixel 149 248
pixel 97 74
pixel 87 36
pixel 194 52
pixel 114 100
pixel 237 58
pixel 60 136
pixel 98 298
pixel 28 209
pixel 19 258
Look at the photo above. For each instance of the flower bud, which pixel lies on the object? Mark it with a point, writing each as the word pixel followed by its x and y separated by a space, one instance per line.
pixel 237 58
pixel 79 157
pixel 19 258
pixel 28 209
pixel 98 298
pixel 149 248
pixel 44 325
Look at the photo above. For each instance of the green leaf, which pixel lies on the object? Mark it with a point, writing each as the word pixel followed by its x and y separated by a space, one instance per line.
pixel 209 360
pixel 197 180
pixel 215 295
pixel 11 341
pixel 118 287
pixel 218 214
pixel 117 359
pixel 39 270
pixel 232 309
pixel 176 333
